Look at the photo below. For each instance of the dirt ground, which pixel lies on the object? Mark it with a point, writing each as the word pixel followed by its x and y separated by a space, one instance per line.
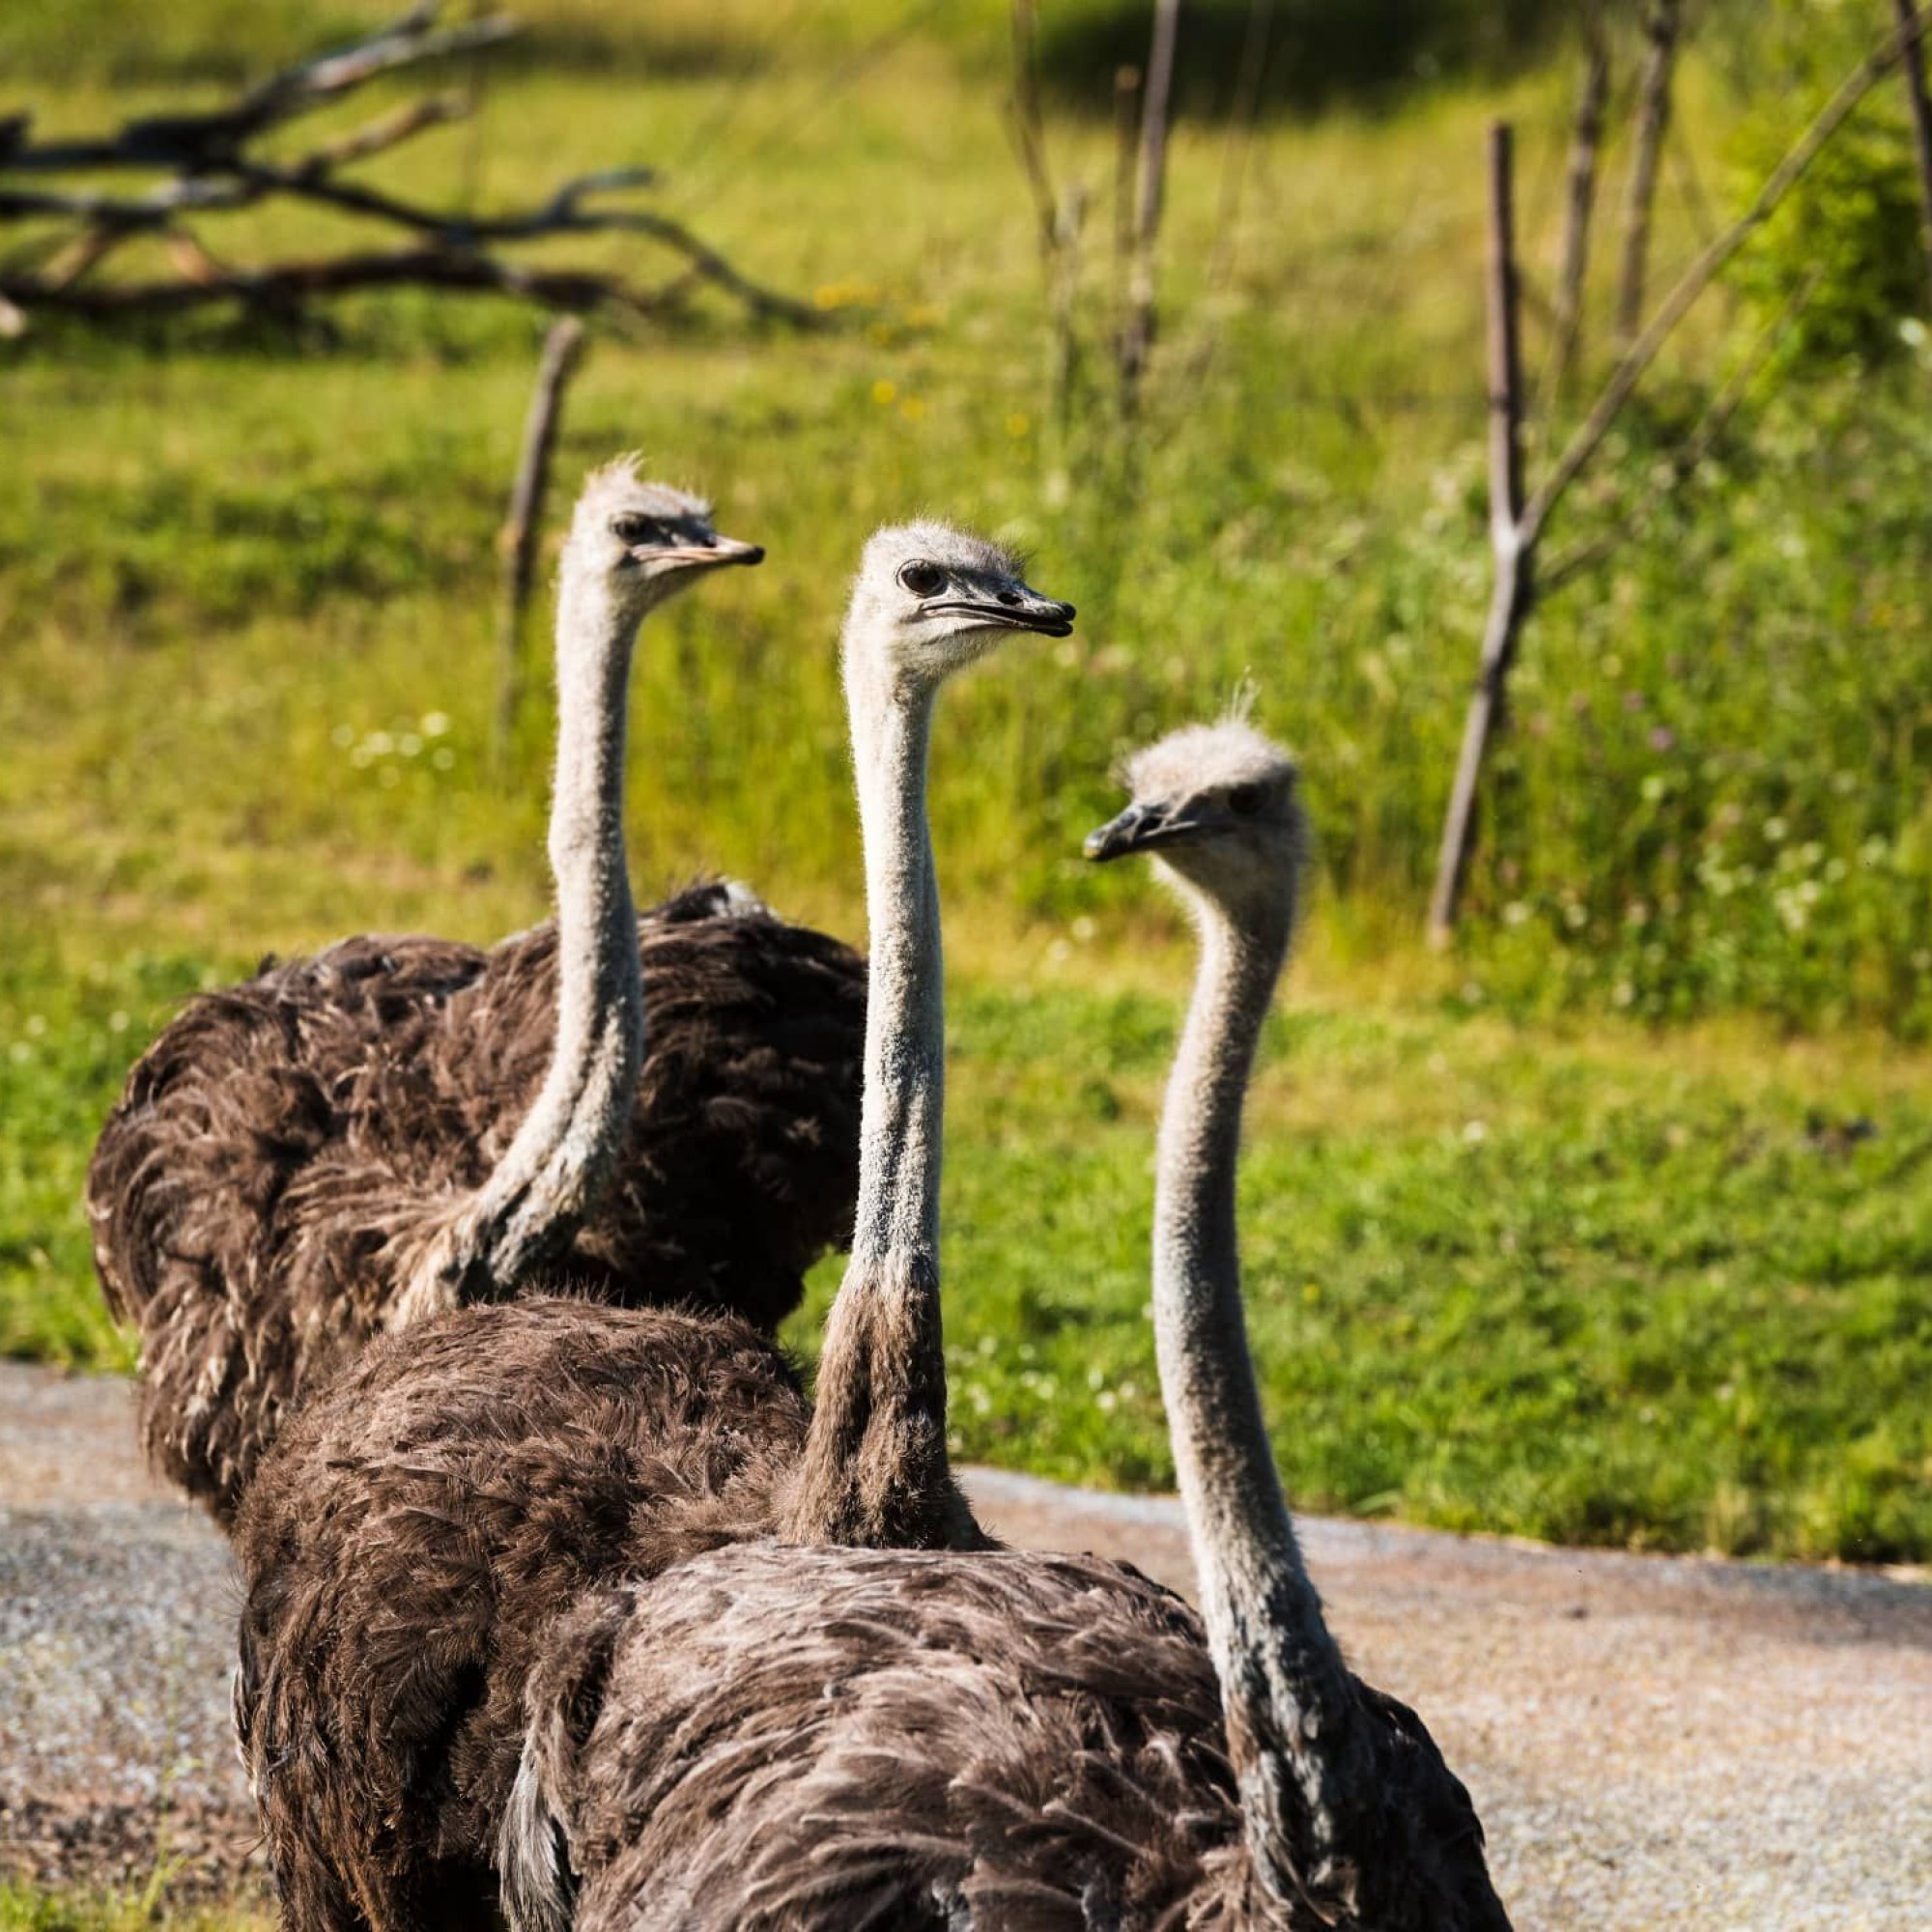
pixel 1652 1743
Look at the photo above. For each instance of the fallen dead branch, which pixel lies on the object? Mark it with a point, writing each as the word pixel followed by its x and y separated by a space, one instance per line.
pixel 213 169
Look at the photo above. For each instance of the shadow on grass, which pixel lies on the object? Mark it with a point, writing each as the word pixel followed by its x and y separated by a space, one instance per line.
pixel 1318 51
pixel 235 44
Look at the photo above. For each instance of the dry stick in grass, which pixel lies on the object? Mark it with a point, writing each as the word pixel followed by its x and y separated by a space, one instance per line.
pixel 1515 576
pixel 213 173
pixel 517 543
pixel 454 254
pixel 1580 202
pixel 1060 217
pixel 1662 22
pixel 1127 140
pixel 1137 338
pixel 209 140
pixel 1914 65
pixel 1512 560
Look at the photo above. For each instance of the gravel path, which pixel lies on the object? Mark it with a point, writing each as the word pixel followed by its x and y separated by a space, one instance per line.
pixel 1653 1743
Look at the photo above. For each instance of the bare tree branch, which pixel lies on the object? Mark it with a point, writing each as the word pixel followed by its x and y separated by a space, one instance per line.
pixel 283 285
pixel 1682 460
pixel 1663 23
pixel 1516 538
pixel 1137 339
pixel 1585 146
pixel 1512 561
pixel 1060 216
pixel 1026 123
pixel 516 541
pixel 215 175
pixel 203 140
pixel 387 131
pixel 1702 271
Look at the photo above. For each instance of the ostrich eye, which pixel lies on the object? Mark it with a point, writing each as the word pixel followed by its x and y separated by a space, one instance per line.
pixel 633 529
pixel 922 580
pixel 1245 800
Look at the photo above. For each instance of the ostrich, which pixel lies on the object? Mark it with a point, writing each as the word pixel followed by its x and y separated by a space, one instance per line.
pixel 426 1517
pixel 772 1737
pixel 334 1148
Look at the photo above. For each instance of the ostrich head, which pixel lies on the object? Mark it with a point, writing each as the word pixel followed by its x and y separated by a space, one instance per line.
pixel 1219 807
pixel 929 599
pixel 643 541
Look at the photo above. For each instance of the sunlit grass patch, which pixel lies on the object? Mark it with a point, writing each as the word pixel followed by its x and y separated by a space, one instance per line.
pixel 26 1908
pixel 1514 1262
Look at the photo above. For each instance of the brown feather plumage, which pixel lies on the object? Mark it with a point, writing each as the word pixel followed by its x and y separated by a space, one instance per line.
pixel 1008 1741
pixel 285 1149
pixel 411 1537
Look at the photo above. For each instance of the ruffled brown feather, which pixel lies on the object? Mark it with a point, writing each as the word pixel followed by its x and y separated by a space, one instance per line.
pixel 788 1740
pixel 284 1150
pixel 411 1540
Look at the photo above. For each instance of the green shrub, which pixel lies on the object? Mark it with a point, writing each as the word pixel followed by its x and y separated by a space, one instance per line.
pixel 1845 247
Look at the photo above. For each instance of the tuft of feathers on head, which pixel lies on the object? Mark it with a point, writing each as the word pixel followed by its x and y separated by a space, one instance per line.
pixel 1242 700
pixel 620 484
pixel 926 540
pixel 1229 752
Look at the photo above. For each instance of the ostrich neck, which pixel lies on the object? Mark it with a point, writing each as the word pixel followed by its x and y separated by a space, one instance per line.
pixel 875 1472
pixel 903 1118
pixel 1285 1691
pixel 535 1199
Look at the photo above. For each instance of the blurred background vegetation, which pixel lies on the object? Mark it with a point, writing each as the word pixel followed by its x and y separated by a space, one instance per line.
pixel 1613 1225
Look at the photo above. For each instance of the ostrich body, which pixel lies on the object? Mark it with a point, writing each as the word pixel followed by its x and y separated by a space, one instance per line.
pixel 426 1518
pixel 766 1737
pixel 347 1143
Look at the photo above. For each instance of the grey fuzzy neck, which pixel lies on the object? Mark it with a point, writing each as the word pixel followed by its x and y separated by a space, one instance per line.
pixel 534 1201
pixel 903 1122
pixel 874 1471
pixel 1284 1689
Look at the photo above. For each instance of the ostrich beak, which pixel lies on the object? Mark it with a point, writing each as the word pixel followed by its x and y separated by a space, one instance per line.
pixel 1141 828
pixel 1014 611
pixel 703 554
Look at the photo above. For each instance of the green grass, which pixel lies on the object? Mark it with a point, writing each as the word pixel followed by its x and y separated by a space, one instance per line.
pixel 245 587
pixel 25 1907
pixel 1588 1285
pixel 1591 1287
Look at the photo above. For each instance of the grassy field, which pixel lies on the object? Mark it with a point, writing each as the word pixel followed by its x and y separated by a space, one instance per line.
pixel 1576 1234
pixel 1571 1281
pixel 32 1909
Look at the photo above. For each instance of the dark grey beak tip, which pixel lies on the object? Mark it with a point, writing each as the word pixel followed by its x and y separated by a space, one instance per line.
pixel 1112 840
pixel 751 554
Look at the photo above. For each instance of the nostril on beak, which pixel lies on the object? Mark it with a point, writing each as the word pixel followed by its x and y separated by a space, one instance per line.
pixel 1009 596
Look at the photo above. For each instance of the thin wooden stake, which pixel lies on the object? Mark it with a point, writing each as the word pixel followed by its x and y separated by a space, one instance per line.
pixel 1914 62
pixel 1653 117
pixel 1126 136
pixel 1585 145
pixel 1137 339
pixel 1512 586
pixel 517 542
pixel 1516 537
